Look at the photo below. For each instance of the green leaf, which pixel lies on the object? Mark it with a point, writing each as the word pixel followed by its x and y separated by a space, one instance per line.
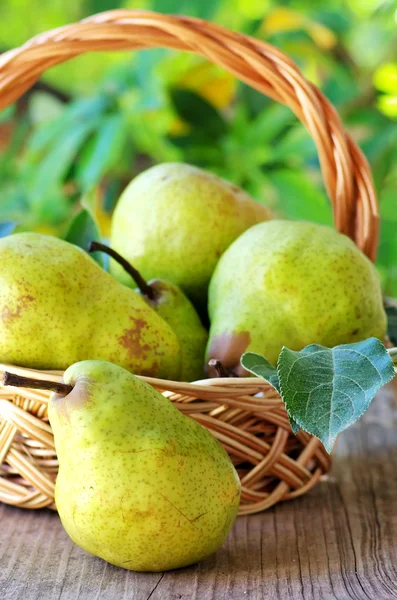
pixel 95 6
pixel 391 312
pixel 104 151
pixel 269 124
pixel 6 228
pixel 44 107
pixel 327 389
pixel 7 113
pixel 261 367
pixel 82 231
pixel 203 9
pixel 294 425
pixel 196 111
pixel 56 163
pixel 300 198
pixel 79 111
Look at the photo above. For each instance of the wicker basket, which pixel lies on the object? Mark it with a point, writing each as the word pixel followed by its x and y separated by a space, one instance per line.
pixel 246 415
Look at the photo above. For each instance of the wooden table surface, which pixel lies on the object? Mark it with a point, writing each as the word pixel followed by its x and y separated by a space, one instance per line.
pixel 338 542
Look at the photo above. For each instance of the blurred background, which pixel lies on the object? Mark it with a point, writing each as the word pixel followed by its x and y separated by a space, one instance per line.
pixel 69 147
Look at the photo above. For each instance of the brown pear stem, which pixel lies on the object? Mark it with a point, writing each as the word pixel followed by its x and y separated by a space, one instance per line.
pixel 143 285
pixel 37 384
pixel 218 367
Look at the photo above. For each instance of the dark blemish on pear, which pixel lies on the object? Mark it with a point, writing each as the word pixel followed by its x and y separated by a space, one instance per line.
pixel 130 340
pixel 228 349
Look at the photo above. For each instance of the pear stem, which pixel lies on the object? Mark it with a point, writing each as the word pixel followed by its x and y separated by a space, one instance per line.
pixel 37 384
pixel 143 285
pixel 218 367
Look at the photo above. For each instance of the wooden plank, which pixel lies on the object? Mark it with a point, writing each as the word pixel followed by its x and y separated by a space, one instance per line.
pixel 337 543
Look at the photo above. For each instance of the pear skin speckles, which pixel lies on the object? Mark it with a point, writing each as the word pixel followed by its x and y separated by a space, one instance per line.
pixel 292 283
pixel 145 488
pixel 57 306
pixel 174 221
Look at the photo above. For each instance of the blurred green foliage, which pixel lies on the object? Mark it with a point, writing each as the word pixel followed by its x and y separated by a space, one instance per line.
pixel 128 111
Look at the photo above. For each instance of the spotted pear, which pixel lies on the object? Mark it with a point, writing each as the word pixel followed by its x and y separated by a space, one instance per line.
pixel 174 221
pixel 140 485
pixel 290 283
pixel 58 306
pixel 175 308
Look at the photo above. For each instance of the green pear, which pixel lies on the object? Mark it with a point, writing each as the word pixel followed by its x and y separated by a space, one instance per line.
pixel 174 221
pixel 140 484
pixel 291 284
pixel 57 306
pixel 175 308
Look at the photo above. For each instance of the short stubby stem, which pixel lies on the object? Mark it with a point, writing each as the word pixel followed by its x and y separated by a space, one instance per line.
pixel 218 367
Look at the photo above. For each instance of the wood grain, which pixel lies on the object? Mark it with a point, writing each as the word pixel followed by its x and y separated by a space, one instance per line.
pixel 337 543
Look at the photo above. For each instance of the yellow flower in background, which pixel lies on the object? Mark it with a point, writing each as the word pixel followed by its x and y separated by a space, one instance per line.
pixel 178 127
pixel 284 19
pixel 210 82
pixel 385 80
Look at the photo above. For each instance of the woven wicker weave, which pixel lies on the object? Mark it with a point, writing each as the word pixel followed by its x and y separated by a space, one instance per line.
pixel 246 415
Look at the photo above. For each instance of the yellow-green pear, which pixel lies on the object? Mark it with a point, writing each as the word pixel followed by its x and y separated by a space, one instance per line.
pixel 174 221
pixel 57 306
pixel 140 484
pixel 175 308
pixel 289 283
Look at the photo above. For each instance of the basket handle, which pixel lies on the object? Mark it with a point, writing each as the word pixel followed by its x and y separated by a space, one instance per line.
pixel 345 170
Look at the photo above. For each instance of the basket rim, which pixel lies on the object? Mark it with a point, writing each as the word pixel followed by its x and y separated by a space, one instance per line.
pixel 290 464
pixel 346 172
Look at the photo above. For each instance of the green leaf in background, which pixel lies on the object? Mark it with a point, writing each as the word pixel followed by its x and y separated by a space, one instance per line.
pixel 7 113
pixel 327 389
pixel 54 167
pixel 299 197
pixel 203 9
pixel 198 113
pixel 261 367
pixel 44 107
pixel 386 259
pixel 79 111
pixel 82 231
pixel 95 6
pixel 269 124
pixel 104 151
pixel 6 228
pixel 391 312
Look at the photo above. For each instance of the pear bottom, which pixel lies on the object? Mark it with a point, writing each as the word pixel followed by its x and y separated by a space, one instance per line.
pixel 158 538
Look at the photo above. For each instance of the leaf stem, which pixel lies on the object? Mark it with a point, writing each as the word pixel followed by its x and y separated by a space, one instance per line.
pixel 14 380
pixel 143 285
